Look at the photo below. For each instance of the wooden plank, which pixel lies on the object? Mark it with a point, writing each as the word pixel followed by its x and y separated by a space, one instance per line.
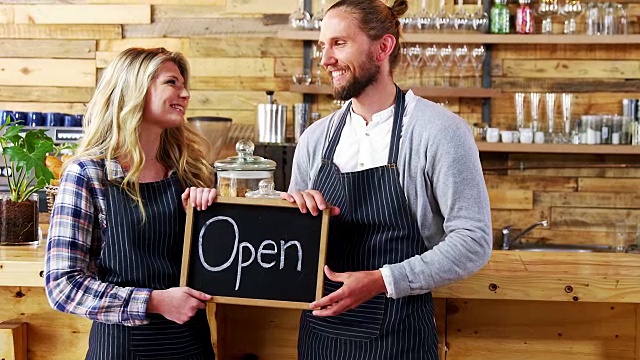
pixel 51 94
pixel 236 100
pixel 181 45
pixel 80 14
pixel 537 68
pixel 239 83
pixel 557 148
pixel 68 49
pixel 530 330
pixel 564 85
pixel 543 183
pixel 577 237
pixel 13 341
pixel 511 199
pixel 591 219
pixel 241 67
pixel 242 117
pixel 161 12
pixel 158 2
pixel 48 72
pixel 80 32
pixel 200 27
pixel 251 47
pixel 588 199
pixel 567 52
pixel 518 218
pixel 261 7
pixel 609 185
pixel 66 108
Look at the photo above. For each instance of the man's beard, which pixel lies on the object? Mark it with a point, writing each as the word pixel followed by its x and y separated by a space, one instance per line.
pixel 370 72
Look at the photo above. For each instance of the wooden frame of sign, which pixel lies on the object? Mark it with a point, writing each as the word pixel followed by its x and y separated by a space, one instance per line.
pixel 243 251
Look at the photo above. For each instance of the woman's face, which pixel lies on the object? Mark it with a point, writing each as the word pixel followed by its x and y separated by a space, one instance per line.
pixel 167 99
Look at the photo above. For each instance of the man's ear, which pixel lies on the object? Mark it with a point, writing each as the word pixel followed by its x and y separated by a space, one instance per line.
pixel 385 47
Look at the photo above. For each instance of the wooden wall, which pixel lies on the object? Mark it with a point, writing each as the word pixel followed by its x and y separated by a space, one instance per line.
pixel 53 51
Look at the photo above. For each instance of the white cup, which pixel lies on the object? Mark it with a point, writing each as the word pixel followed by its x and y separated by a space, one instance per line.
pixel 506 136
pixel 493 135
pixel 526 135
pixel 538 137
pixel 516 136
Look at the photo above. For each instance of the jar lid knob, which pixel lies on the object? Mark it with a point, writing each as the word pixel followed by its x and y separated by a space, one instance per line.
pixel 245 149
pixel 266 186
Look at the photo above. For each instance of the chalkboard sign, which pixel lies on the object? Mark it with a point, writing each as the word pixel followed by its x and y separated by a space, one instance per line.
pixel 262 252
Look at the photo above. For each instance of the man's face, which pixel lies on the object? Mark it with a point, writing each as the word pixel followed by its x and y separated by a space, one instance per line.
pixel 348 55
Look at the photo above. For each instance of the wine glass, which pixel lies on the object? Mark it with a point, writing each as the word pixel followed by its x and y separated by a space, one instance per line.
pixel 316 19
pixel 414 54
pixel 546 9
pixel 430 57
pixel 445 54
pixel 534 101
pixel 460 19
pixel 461 55
pixel 443 18
pixel 300 19
pixel 570 10
pixel 480 19
pixel 519 102
pixel 403 65
pixel 567 99
pixel 316 56
pixel 425 21
pixel 478 54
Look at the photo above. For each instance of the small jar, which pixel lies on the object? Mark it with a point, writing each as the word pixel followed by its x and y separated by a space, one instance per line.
pixel 525 23
pixel 499 17
pixel 237 175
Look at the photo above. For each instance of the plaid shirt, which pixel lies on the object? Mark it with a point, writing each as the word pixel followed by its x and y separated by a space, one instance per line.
pixel 73 250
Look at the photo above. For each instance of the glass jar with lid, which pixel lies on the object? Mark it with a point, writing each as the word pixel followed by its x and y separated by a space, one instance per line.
pixel 525 21
pixel 237 175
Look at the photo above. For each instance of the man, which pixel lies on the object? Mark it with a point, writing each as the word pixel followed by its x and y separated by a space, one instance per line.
pixel 403 177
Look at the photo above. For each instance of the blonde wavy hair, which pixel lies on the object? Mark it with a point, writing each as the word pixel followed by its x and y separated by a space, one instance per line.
pixel 112 120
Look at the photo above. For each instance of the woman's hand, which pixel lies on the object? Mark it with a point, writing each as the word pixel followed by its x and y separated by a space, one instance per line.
pixel 200 198
pixel 177 304
pixel 309 200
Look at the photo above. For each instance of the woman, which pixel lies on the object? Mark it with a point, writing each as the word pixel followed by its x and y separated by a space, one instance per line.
pixel 115 242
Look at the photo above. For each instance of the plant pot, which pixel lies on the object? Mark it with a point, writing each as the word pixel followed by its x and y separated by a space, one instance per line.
pixel 19 221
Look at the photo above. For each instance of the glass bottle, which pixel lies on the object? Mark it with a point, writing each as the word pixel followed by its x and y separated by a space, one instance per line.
pixel 525 23
pixel 499 17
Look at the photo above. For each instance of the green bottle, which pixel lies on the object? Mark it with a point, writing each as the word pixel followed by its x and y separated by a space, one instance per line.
pixel 499 17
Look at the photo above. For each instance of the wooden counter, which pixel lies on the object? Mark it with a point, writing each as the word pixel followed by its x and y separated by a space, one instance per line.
pixel 509 275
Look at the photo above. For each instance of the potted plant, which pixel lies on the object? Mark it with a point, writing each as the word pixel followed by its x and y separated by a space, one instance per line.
pixel 24 154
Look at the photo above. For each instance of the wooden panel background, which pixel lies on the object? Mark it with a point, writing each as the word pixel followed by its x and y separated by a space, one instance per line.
pixel 52 53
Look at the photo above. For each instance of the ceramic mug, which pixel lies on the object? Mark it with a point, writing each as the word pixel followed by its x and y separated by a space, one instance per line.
pixel 493 135
pixel 538 137
pixel 526 135
pixel 506 136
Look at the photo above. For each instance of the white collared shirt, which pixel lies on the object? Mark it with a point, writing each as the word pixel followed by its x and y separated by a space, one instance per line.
pixel 364 146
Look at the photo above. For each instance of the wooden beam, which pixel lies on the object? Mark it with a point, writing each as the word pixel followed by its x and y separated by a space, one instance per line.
pixel 201 27
pixel 64 49
pixel 511 199
pixel 48 72
pixel 50 94
pixel 13 341
pixel 78 14
pixel 79 32
pixel 118 45
pixel 66 108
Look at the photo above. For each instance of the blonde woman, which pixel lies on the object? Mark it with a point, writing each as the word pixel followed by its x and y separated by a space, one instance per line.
pixel 115 240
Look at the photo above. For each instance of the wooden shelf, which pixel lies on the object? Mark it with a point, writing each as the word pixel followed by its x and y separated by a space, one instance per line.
pixel 513 39
pixel 428 92
pixel 558 148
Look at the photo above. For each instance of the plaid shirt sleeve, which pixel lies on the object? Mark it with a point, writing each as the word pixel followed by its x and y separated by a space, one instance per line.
pixel 73 248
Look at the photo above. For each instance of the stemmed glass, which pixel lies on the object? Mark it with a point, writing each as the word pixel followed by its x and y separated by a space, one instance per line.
pixel 480 19
pixel 425 21
pixel 534 101
pixel 461 54
pixel 478 55
pixel 570 10
pixel 443 18
pixel 546 9
pixel 316 20
pixel 519 102
pixel 566 115
pixel 316 55
pixel 431 58
pixel 445 54
pixel 414 54
pixel 300 19
pixel 461 20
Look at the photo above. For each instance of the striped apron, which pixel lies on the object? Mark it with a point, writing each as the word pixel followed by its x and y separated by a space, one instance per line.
pixel 375 227
pixel 147 256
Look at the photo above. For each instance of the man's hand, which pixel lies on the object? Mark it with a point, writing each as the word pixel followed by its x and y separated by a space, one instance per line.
pixel 309 200
pixel 177 304
pixel 200 198
pixel 357 288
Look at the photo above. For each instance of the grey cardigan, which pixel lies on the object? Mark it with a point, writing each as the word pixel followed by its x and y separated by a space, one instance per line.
pixel 440 173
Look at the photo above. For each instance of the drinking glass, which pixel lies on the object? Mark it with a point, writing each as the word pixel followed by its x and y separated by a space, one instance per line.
pixel 478 54
pixel 445 54
pixel 534 102
pixel 480 19
pixel 430 56
pixel 414 54
pixel 443 18
pixel 316 20
pixel 567 99
pixel 570 10
pixel 300 19
pixel 461 20
pixel 316 56
pixel 546 9
pixel 425 21
pixel 461 55
pixel 519 103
